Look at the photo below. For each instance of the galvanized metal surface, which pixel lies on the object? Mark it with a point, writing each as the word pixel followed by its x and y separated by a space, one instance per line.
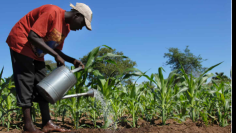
pixel 57 83
pixel 90 92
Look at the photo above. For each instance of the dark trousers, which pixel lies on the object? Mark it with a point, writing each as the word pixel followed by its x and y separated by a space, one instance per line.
pixel 27 74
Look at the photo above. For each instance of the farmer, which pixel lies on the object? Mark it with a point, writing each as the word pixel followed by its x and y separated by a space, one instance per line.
pixel 43 30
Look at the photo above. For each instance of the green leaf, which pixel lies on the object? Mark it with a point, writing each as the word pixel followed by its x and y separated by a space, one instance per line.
pixel 211 91
pixel 161 75
pixel 107 46
pixel 203 79
pixel 190 94
pixel 141 107
pixel 182 90
pixel 101 83
pixel 158 81
pixel 48 67
pixel 209 69
pixel 170 80
pixel 91 56
pixel 131 70
pixel 97 73
pixel 1 75
pixel 132 74
pixel 150 78
pixel 114 55
pixel 172 74
pixel 111 61
pixel 184 73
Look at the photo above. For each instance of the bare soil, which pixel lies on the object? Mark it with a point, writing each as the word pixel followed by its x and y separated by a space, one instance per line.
pixel 155 126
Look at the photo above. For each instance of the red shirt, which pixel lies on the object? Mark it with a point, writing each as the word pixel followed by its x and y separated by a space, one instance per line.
pixel 48 21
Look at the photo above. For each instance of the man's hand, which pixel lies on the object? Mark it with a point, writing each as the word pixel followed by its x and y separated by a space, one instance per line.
pixel 59 60
pixel 78 63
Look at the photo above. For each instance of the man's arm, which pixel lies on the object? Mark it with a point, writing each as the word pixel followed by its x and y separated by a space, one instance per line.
pixel 39 43
pixel 64 56
pixel 69 59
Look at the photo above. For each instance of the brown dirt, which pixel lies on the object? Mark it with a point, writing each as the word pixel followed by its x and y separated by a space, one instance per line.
pixel 143 127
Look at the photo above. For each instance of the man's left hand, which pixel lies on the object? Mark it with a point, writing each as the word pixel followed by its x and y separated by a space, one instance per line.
pixel 78 63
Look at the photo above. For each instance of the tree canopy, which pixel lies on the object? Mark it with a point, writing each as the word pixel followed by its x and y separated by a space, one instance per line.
pixel 191 63
pixel 50 65
pixel 221 76
pixel 108 69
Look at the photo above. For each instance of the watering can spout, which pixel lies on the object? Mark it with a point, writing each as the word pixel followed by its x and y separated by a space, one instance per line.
pixel 88 93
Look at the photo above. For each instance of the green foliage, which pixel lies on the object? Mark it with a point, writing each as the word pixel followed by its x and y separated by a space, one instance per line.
pixel 7 100
pixel 221 93
pixel 221 77
pixel 50 65
pixel 163 94
pixel 181 95
pixel 189 62
pixel 204 116
pixel 109 63
pixel 194 87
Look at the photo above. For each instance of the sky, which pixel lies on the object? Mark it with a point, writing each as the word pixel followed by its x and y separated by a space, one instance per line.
pixel 142 30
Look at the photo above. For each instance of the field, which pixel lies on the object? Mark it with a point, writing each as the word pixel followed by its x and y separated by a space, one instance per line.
pixel 179 103
pixel 172 126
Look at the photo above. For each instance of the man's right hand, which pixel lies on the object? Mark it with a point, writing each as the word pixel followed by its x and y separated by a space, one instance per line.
pixel 59 60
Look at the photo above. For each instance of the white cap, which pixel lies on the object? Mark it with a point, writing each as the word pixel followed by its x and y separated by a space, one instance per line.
pixel 86 11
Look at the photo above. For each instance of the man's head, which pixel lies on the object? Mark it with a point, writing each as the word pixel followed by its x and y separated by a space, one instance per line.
pixel 81 16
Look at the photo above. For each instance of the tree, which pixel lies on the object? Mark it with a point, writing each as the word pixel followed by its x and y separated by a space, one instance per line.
pixel 50 65
pixel 108 69
pixel 149 84
pixel 191 63
pixel 221 76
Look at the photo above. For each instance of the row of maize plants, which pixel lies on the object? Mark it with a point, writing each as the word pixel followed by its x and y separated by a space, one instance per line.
pixel 179 96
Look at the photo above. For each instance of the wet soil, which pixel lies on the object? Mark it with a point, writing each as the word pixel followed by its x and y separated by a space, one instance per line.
pixel 154 126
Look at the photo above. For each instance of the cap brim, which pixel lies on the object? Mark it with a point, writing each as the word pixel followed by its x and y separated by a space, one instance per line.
pixel 88 24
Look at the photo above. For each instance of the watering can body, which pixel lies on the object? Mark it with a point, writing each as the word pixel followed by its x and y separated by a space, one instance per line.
pixel 55 85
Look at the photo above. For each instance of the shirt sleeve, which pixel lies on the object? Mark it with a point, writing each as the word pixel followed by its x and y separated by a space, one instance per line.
pixel 43 24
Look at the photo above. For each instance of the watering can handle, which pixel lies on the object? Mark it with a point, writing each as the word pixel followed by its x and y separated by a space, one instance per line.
pixel 76 69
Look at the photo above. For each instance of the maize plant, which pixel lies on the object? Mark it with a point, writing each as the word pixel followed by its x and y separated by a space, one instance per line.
pixel 194 86
pixel 82 76
pixel 71 105
pixel 133 102
pixel 7 105
pixel 116 102
pixel 147 101
pixel 178 96
pixel 94 111
pixel 164 95
pixel 222 102
pixel 81 79
pixel 182 107
pixel 133 96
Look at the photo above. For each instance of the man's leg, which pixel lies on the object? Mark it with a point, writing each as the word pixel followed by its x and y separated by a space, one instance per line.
pixel 28 124
pixel 44 109
pixel 40 74
pixel 47 124
pixel 23 72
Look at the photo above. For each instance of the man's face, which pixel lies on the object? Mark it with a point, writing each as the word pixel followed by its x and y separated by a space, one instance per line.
pixel 77 22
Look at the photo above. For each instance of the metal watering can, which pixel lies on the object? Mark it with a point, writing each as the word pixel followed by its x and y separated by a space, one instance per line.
pixel 55 85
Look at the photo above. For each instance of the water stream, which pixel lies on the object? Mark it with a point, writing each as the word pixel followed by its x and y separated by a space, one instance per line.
pixel 107 110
